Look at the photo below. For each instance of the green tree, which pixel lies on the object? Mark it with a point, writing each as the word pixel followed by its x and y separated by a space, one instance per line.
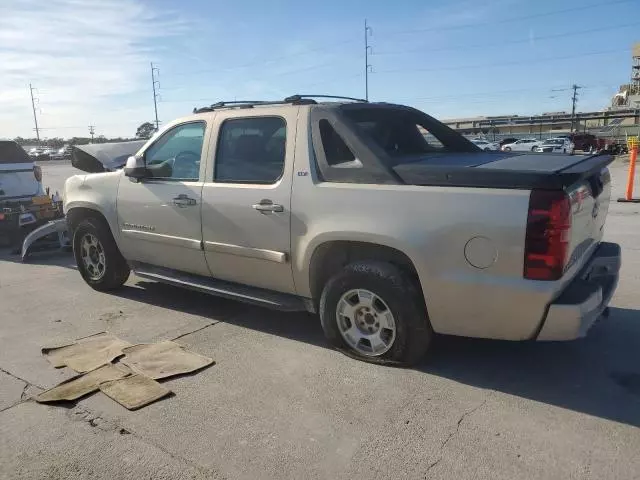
pixel 145 130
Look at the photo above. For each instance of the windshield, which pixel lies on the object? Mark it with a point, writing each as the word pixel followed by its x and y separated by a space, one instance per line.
pixel 406 132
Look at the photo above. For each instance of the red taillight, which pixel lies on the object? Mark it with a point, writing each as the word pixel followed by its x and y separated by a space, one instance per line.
pixel 547 239
pixel 37 172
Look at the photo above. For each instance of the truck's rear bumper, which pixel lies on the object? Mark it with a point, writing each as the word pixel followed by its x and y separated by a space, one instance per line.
pixel 586 298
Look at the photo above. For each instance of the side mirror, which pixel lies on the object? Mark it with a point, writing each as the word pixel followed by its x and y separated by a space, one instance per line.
pixel 135 168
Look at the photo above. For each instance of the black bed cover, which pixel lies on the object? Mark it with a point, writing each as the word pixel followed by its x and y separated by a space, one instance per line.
pixel 500 170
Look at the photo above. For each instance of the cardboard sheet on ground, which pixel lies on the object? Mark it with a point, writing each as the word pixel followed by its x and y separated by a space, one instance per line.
pixel 134 391
pixel 87 353
pixel 82 385
pixel 162 360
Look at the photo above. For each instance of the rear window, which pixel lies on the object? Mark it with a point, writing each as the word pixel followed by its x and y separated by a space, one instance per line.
pixel 11 152
pixel 402 132
pixel 335 150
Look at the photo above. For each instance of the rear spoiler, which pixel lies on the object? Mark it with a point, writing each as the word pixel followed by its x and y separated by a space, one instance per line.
pixel 509 173
pixel 103 157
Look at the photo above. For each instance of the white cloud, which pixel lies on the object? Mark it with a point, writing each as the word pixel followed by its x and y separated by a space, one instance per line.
pixel 89 60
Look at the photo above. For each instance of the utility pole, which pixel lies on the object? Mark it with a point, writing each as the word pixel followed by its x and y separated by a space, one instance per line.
pixel 35 117
pixel 155 83
pixel 574 100
pixel 367 66
pixel 92 131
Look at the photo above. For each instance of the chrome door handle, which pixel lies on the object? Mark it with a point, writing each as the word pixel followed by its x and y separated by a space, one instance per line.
pixel 267 206
pixel 183 200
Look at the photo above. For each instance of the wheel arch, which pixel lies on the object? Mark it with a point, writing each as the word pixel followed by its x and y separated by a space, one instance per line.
pixel 76 214
pixel 331 256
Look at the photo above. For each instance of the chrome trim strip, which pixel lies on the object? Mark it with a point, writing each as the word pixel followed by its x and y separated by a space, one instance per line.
pixel 206 288
pixel 162 238
pixel 260 254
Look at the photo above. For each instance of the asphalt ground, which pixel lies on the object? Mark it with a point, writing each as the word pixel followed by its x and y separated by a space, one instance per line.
pixel 280 404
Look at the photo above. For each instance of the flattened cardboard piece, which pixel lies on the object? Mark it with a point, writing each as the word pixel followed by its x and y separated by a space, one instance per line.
pixel 135 391
pixel 87 353
pixel 164 359
pixel 82 385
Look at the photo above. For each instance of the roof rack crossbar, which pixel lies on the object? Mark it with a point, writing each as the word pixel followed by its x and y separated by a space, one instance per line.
pixel 294 99
pixel 298 97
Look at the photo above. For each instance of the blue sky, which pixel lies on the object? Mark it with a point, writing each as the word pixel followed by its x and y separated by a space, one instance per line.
pixel 451 59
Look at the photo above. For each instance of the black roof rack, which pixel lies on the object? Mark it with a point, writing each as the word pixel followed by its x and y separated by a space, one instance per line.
pixel 299 97
pixel 293 99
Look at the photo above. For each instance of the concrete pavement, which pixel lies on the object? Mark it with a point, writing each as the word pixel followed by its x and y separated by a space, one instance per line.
pixel 280 404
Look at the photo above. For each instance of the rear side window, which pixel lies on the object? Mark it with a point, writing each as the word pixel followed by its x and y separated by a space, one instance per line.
pixel 335 150
pixel 251 150
pixel 11 152
pixel 402 132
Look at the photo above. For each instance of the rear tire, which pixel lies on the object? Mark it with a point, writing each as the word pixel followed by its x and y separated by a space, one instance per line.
pixel 99 261
pixel 507 149
pixel 376 300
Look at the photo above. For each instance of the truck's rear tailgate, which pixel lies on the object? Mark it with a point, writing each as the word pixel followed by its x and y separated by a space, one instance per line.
pixel 589 206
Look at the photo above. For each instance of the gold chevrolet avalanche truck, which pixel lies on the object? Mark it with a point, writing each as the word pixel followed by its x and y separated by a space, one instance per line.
pixel 387 223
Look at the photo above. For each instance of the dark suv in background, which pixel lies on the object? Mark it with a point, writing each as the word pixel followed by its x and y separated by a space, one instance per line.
pixel 584 141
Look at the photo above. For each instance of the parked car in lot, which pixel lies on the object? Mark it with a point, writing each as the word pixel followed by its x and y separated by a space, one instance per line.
pixel 61 153
pixel 345 209
pixel 504 141
pixel 39 153
pixel 485 144
pixel 522 145
pixel 556 145
pixel 584 141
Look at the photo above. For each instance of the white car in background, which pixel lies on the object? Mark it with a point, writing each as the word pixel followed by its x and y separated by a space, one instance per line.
pixel 522 145
pixel 485 144
pixel 556 145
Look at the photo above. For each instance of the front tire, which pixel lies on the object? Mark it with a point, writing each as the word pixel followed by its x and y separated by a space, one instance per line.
pixel 507 149
pixel 372 311
pixel 99 261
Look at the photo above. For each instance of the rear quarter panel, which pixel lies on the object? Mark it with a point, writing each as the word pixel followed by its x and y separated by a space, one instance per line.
pixel 433 226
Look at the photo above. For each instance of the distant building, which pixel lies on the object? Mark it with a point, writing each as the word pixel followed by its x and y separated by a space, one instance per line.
pixel 628 95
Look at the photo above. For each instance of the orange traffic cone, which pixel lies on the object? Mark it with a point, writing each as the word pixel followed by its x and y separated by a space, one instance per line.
pixel 633 156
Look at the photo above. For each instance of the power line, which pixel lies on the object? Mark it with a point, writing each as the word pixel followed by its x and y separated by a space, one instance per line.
pixel 503 43
pixel 492 93
pixel 492 22
pixel 501 63
pixel 92 131
pixel 265 61
pixel 35 117
pixel 304 87
pixel 154 83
